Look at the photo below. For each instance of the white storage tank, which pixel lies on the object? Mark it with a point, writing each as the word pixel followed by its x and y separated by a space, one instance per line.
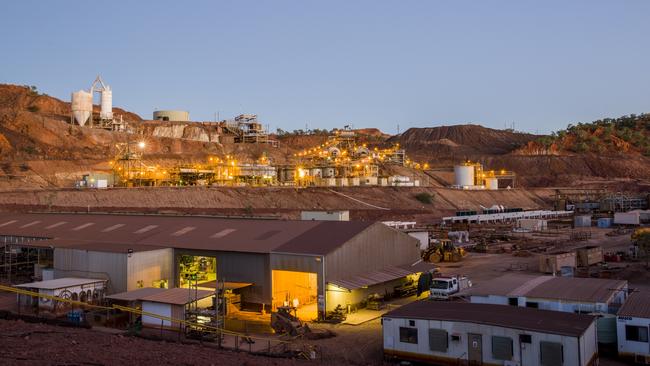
pixel 171 115
pixel 82 106
pixel 492 183
pixel 464 175
pixel 106 103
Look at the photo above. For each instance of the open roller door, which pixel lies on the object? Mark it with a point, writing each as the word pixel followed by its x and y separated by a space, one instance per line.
pixel 289 286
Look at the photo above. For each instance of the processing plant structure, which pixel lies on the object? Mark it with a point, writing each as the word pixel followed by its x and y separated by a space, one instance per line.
pixel 471 176
pixel 82 108
pixel 340 161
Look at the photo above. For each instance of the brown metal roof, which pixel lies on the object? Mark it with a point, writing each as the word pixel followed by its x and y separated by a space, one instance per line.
pixel 578 289
pixel 544 321
pixel 177 296
pixel 384 275
pixel 135 295
pixel 92 245
pixel 324 237
pixel 202 233
pixel 549 287
pixel 636 305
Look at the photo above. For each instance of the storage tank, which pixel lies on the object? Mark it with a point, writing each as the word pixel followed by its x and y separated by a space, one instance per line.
pixel 464 175
pixel 82 106
pixel 106 103
pixel 492 183
pixel 171 115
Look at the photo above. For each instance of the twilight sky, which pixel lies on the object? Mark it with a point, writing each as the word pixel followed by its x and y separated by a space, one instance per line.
pixel 537 64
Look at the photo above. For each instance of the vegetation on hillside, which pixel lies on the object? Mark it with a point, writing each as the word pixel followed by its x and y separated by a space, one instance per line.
pixel 610 135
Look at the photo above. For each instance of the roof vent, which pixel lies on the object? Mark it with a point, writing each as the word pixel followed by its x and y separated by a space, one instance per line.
pixel 184 231
pixel 222 233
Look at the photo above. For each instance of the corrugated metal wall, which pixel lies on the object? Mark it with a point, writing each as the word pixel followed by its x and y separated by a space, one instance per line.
pixel 237 267
pixel 377 247
pixel 302 263
pixel 149 266
pixel 89 264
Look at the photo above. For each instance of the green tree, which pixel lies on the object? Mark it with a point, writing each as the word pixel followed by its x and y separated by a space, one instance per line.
pixel 642 239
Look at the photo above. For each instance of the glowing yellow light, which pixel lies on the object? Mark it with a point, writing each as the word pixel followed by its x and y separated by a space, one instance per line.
pixel 142 144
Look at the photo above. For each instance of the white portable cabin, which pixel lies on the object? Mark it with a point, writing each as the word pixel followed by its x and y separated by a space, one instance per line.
pixel 566 294
pixel 463 333
pixel 633 328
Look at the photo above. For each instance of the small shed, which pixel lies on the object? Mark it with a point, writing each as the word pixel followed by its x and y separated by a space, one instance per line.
pixel 172 304
pixel 589 255
pixel 627 218
pixel 325 215
pixel 532 224
pixel 582 221
pixel 605 222
pixel 553 262
pixel 86 290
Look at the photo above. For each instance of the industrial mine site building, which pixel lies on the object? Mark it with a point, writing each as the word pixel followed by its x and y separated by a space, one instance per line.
pixel 269 263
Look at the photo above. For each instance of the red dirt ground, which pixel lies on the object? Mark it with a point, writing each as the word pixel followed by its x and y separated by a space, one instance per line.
pixel 39 344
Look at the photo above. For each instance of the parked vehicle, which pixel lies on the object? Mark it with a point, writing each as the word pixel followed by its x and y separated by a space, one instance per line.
pixel 444 286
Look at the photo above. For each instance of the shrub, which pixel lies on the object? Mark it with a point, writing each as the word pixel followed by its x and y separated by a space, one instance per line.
pixel 424 197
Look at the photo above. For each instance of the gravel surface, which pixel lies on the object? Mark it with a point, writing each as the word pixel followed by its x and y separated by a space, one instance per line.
pixel 39 344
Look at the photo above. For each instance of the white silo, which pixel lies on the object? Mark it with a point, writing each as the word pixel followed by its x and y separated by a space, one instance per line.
pixel 106 103
pixel 464 175
pixel 82 106
pixel 492 183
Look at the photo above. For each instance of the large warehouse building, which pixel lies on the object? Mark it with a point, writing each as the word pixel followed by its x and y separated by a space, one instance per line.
pixel 319 264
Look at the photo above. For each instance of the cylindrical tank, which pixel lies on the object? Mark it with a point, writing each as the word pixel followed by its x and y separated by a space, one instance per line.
pixel 492 183
pixel 171 115
pixel 464 175
pixel 82 106
pixel 106 103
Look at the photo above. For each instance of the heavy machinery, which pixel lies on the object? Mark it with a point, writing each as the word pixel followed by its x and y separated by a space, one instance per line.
pixel 283 322
pixel 443 250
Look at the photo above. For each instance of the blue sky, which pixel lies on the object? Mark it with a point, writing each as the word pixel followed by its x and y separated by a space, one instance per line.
pixel 537 64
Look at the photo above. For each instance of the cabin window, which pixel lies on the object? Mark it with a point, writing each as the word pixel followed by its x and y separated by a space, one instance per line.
pixel 532 305
pixel 525 338
pixel 513 301
pixel 438 340
pixel 551 354
pixel 636 334
pixel 501 348
pixel 408 335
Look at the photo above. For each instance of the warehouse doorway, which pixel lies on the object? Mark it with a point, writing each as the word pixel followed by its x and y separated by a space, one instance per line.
pixel 196 269
pixel 298 290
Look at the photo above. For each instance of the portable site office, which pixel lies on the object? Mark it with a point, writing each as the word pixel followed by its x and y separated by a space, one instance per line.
pixel 450 333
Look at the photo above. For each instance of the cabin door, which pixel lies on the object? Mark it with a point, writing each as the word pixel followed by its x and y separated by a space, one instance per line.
pixel 475 349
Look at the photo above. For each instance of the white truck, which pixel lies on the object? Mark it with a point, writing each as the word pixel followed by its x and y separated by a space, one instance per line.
pixel 444 286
